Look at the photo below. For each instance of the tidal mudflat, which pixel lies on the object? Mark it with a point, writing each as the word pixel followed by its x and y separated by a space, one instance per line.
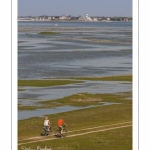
pixel 75 50
pixel 30 96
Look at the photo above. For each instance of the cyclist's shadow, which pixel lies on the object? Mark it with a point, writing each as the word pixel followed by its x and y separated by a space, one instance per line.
pixel 57 136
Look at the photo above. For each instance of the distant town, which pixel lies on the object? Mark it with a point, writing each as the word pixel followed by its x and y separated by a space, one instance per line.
pixel 72 18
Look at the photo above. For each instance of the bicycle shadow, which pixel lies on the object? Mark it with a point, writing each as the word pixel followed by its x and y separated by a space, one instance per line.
pixel 57 136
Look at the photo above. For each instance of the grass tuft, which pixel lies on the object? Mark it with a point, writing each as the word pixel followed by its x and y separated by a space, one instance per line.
pixel 48 33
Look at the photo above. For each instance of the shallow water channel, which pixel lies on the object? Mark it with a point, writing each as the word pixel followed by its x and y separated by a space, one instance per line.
pixel 41 112
pixel 31 95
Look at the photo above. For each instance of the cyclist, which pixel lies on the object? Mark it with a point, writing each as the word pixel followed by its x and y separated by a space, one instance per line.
pixel 60 124
pixel 47 123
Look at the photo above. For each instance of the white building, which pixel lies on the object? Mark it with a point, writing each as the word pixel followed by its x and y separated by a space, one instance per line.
pixel 63 17
pixel 88 18
pixel 95 19
pixel 49 18
pixel 85 18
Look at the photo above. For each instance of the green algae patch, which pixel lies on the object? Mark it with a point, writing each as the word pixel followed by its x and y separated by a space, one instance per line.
pixel 118 78
pixel 82 100
pixel 45 83
pixel 108 78
pixel 27 107
pixel 47 105
pixel 48 33
pixel 86 99
pixel 21 90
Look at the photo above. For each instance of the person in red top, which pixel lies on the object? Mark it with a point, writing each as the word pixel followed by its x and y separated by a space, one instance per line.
pixel 60 124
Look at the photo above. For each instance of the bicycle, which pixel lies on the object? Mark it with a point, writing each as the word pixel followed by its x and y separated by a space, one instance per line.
pixel 46 132
pixel 64 132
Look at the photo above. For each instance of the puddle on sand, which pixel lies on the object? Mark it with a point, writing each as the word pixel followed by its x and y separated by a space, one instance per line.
pixel 41 112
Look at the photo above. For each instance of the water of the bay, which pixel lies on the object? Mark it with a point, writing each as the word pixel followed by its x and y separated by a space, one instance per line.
pixel 78 49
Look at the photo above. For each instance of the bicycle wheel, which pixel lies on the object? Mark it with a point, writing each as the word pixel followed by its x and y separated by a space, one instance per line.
pixel 50 132
pixel 64 132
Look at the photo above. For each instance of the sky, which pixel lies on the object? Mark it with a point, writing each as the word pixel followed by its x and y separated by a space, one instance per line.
pixel 109 8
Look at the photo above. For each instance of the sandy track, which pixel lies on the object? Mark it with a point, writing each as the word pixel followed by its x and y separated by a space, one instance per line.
pixel 123 125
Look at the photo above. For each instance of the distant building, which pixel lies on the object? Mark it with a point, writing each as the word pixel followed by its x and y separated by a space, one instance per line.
pixel 81 18
pixel 55 18
pixel 99 18
pixel 126 19
pixel 71 18
pixel 95 19
pixel 88 18
pixel 49 18
pixel 63 17
pixel 85 18
pixel 74 18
